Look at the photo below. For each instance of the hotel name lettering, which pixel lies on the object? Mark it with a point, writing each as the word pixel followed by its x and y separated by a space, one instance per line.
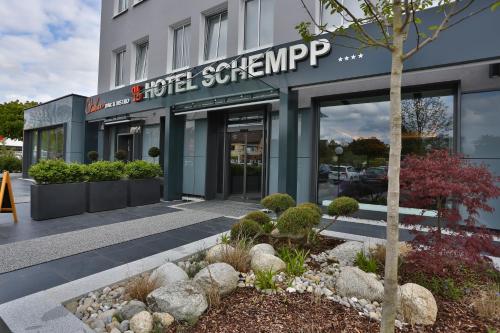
pixel 242 68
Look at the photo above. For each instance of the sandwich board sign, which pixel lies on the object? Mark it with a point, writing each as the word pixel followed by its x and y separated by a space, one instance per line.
pixel 7 204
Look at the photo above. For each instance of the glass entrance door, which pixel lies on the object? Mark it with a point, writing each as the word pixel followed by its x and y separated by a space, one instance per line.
pixel 246 140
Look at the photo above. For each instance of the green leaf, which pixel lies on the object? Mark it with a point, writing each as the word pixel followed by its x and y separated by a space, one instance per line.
pixel 495 6
pixel 418 20
pixel 433 27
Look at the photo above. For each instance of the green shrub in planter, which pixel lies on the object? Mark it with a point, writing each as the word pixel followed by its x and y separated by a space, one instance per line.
pixel 343 206
pixel 56 172
pixel 297 221
pixel 314 208
pixel 105 171
pixel 154 152
pixel 245 229
pixel 259 217
pixel 9 162
pixel 142 170
pixel 278 202
pixel 93 156
pixel 121 155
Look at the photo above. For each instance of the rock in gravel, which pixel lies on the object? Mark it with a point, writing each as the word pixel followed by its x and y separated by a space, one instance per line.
pixel 266 262
pixel 142 322
pixel 131 308
pixel 353 282
pixel 163 318
pixel 168 273
pixel 185 300
pixel 219 275
pixel 417 304
pixel 216 253
pixel 107 316
pixel 124 325
pixel 346 252
pixel 263 248
pixel 115 330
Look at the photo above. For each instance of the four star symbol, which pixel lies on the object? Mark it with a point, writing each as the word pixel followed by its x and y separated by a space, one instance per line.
pixel 352 57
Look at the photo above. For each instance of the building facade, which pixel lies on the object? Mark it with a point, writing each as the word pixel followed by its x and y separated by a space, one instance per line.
pixel 240 107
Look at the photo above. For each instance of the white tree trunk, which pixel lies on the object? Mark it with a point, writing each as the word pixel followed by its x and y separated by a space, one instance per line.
pixel 391 259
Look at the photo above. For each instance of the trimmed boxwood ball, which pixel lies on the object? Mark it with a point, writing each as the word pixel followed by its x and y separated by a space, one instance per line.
pixel 343 206
pixel 245 228
pixel 312 206
pixel 121 155
pixel 93 155
pixel 154 152
pixel 297 221
pixel 259 217
pixel 278 202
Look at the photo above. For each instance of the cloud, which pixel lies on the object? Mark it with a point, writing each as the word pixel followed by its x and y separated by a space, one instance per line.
pixel 48 48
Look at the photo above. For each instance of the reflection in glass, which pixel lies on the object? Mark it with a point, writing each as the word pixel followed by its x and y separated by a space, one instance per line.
pixel 361 127
pixel 479 130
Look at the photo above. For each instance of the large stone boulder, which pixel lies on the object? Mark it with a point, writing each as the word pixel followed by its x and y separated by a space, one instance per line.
pixel 417 304
pixel 265 262
pixel 353 282
pixel 167 274
pixel 142 322
pixel 262 248
pixel 217 252
pixel 185 300
pixel 131 308
pixel 346 252
pixel 219 275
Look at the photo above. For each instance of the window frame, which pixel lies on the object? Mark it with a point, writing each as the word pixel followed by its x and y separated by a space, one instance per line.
pixel 118 10
pixel 259 17
pixel 206 57
pixel 116 53
pixel 175 30
pixel 138 44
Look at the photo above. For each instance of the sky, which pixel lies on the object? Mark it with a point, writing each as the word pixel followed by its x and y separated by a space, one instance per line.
pixel 48 48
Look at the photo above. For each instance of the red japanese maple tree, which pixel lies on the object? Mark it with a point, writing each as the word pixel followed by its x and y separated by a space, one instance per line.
pixel 458 191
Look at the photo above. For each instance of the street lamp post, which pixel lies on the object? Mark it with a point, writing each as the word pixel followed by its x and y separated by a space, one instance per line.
pixel 338 151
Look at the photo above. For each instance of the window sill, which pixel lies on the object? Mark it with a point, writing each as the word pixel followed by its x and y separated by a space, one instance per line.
pixel 137 3
pixel 117 87
pixel 178 70
pixel 120 13
pixel 212 61
pixel 139 81
pixel 258 48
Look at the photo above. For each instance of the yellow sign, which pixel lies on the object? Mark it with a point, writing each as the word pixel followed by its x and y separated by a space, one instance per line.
pixel 7 204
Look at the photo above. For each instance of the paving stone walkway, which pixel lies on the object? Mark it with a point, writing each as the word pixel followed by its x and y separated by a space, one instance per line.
pixel 43 249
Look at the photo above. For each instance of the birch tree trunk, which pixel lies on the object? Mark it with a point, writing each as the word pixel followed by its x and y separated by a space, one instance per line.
pixel 392 248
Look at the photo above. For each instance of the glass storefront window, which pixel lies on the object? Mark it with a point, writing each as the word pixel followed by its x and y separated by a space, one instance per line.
pixel 51 144
pixel 361 127
pixel 150 138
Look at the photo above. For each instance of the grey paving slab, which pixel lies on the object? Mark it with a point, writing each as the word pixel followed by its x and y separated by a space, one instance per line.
pixel 224 207
pixel 35 251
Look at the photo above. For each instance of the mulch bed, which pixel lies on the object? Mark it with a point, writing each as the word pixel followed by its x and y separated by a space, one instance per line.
pixel 247 310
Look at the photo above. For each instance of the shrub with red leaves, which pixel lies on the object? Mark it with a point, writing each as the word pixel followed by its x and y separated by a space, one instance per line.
pixel 446 182
pixel 450 185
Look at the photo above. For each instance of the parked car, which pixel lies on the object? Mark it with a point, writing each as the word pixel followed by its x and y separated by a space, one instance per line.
pixel 346 173
pixel 375 175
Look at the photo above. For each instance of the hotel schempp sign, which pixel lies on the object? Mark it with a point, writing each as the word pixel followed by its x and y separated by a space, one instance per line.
pixel 242 68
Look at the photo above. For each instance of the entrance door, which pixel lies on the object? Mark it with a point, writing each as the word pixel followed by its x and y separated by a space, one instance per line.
pixel 246 140
pixel 126 144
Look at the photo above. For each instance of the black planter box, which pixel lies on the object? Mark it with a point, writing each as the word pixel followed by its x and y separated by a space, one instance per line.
pixel 58 200
pixel 107 195
pixel 143 192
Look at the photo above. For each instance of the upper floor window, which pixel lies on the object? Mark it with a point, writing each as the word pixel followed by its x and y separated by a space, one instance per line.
pixel 259 21
pixel 216 38
pixel 121 6
pixel 336 20
pixel 141 61
pixel 119 66
pixel 182 40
